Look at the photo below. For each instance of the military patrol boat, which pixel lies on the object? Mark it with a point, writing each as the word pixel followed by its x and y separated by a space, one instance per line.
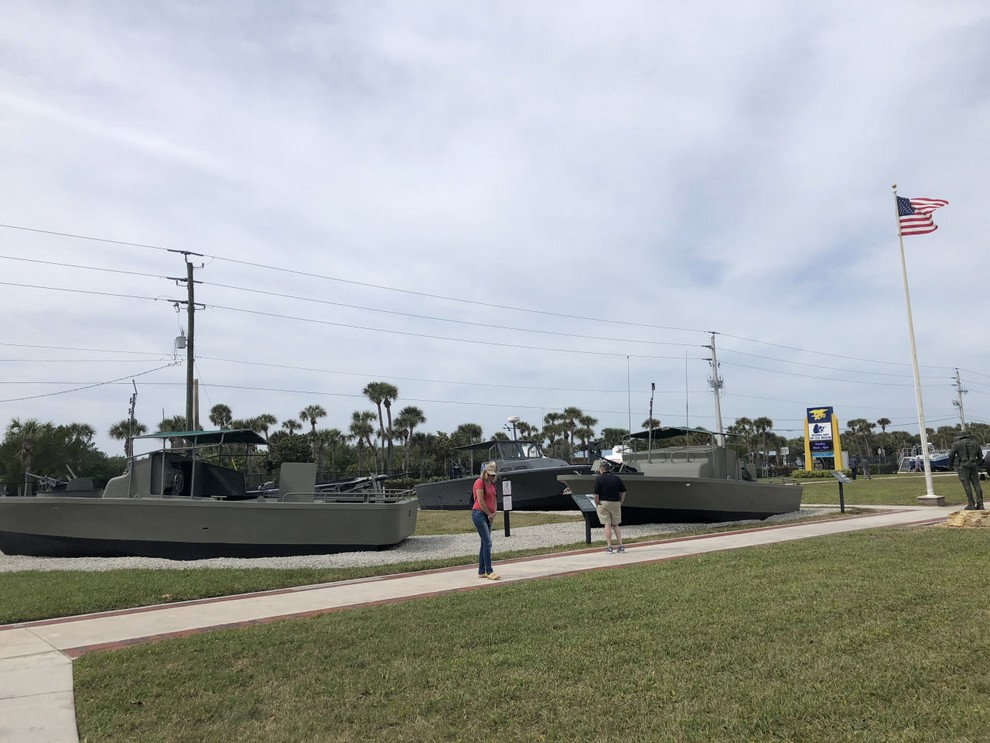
pixel 533 476
pixel 691 483
pixel 172 503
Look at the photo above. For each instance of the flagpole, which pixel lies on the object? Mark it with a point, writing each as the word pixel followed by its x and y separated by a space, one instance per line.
pixel 929 498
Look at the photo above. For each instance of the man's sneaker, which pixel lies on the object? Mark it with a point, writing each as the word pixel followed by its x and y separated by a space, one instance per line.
pixel 609 550
pixel 493 576
pixel 621 548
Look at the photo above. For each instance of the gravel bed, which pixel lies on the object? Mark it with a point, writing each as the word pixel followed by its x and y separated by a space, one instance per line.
pixel 415 548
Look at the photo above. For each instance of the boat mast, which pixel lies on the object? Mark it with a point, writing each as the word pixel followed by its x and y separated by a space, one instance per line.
pixel 716 383
pixel 649 439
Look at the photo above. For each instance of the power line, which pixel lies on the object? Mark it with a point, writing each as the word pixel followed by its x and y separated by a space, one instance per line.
pixel 86 387
pixel 101 269
pixel 362 308
pixel 825 379
pixel 82 237
pixel 364 284
pixel 77 348
pixel 453 299
pixel 348 325
pixel 819 366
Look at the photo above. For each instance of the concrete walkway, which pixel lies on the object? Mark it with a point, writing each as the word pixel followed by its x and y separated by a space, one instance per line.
pixel 36 702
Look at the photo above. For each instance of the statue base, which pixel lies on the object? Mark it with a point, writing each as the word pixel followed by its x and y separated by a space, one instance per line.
pixel 969 518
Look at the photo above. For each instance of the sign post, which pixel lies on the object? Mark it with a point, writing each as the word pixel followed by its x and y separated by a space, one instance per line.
pixel 506 503
pixel 841 477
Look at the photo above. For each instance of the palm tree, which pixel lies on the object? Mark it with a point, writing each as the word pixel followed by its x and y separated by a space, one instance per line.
pixel 883 423
pixel 312 413
pixel 332 438
pixel 860 429
pixel 586 430
pixel 81 432
pixel 743 428
pixel 174 424
pixel 760 427
pixel 382 394
pixel 569 423
pixel 291 425
pixel 264 422
pixel 25 434
pixel 362 426
pixel 220 416
pixel 525 430
pixel 409 417
pixel 552 427
pixel 125 430
pixel 467 433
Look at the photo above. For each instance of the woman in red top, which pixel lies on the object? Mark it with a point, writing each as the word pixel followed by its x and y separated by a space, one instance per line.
pixel 482 513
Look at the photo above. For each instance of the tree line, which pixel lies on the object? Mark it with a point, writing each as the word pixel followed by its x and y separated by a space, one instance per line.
pixel 375 441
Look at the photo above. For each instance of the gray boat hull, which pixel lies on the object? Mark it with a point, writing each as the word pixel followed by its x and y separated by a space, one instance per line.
pixel 191 529
pixel 532 490
pixel 651 499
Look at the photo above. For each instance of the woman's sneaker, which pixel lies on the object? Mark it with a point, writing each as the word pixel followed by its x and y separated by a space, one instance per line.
pixel 621 548
pixel 609 549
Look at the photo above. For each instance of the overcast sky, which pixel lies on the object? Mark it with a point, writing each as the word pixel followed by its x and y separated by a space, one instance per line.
pixel 502 208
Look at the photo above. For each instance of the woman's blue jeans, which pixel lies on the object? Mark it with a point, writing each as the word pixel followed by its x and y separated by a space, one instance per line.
pixel 484 528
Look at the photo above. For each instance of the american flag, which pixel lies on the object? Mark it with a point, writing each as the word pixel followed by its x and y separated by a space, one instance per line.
pixel 916 215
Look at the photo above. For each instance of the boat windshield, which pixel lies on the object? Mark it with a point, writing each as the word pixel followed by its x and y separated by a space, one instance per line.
pixel 517 450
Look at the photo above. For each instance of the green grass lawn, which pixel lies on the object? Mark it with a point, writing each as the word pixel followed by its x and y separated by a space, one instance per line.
pixel 870 636
pixel 31 595
pixel 888 490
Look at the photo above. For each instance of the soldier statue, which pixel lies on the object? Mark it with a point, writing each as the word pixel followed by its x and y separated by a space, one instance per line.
pixel 967 457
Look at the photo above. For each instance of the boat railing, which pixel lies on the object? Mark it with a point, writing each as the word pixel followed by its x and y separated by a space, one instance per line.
pixel 354 496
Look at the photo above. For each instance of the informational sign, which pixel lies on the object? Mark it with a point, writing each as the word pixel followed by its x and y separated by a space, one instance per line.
pixel 506 495
pixel 821 438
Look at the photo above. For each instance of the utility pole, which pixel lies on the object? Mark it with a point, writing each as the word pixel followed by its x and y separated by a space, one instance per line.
pixel 191 322
pixel 958 401
pixel 716 384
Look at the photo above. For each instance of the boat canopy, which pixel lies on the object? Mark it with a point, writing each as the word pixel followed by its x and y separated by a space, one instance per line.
pixel 207 438
pixel 668 432
pixel 489 444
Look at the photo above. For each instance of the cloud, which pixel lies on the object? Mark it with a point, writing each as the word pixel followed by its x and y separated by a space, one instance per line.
pixel 703 167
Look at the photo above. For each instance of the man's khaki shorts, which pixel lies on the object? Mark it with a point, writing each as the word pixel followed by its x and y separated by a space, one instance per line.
pixel 610 512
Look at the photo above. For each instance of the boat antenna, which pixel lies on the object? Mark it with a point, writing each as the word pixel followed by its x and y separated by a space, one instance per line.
pixel 629 395
pixel 649 437
pixel 687 417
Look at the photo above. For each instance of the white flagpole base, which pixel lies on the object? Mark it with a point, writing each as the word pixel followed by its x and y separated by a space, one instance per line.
pixel 931 500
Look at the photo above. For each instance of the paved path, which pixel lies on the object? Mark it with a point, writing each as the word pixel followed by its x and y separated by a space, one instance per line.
pixel 36 703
